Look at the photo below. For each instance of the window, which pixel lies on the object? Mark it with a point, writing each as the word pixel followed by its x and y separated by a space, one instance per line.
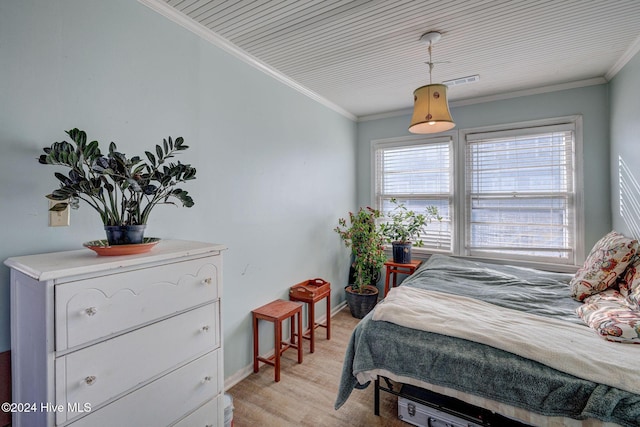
pixel 520 194
pixel 517 196
pixel 418 173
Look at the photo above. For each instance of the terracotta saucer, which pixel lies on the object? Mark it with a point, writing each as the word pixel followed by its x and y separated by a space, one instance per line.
pixel 101 247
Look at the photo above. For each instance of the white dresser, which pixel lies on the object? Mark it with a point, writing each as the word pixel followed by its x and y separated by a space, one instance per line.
pixel 118 341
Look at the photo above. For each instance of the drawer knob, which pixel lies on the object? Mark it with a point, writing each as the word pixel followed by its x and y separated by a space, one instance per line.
pixel 205 328
pixel 91 311
pixel 207 281
pixel 90 380
pixel 206 379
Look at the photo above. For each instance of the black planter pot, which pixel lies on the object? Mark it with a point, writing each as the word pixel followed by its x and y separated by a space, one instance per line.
pixel 361 304
pixel 125 234
pixel 401 252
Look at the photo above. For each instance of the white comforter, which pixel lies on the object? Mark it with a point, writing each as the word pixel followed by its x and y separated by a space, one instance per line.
pixel 564 346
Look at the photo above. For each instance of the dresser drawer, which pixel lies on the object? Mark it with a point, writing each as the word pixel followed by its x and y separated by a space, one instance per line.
pixel 103 371
pixel 165 400
pixel 205 416
pixel 87 310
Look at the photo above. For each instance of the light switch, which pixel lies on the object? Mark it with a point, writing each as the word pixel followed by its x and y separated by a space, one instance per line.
pixel 59 218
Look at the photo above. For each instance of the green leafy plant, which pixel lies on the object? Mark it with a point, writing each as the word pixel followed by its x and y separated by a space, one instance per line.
pixel 363 235
pixel 405 225
pixel 122 190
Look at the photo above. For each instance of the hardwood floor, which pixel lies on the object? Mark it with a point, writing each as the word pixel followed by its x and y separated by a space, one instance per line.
pixel 306 392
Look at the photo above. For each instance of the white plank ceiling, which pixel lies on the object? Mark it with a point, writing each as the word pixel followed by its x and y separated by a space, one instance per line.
pixel 365 57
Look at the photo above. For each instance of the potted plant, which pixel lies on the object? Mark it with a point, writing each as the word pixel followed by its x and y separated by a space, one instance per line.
pixel 122 190
pixel 404 227
pixel 363 235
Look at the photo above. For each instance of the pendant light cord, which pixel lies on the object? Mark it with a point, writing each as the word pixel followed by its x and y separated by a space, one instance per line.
pixel 430 64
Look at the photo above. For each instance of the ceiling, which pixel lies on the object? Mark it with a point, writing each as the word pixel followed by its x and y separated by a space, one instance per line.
pixel 364 57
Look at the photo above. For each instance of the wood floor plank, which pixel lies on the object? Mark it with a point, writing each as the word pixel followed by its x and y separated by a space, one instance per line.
pixel 307 392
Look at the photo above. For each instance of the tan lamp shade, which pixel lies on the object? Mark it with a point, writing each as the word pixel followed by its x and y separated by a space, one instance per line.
pixel 431 110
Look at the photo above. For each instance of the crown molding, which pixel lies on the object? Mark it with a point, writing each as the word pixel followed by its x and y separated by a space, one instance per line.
pixel 205 33
pixel 387 114
pixel 528 92
pixel 490 98
pixel 626 57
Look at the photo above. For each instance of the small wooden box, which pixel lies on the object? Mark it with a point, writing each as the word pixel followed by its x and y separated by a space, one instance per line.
pixel 309 289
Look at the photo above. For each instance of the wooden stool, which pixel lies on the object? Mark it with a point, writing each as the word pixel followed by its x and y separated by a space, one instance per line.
pixel 395 268
pixel 277 311
pixel 310 292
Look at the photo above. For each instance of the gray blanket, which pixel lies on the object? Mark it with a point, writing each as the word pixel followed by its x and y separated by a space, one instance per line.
pixel 479 369
pixel 534 291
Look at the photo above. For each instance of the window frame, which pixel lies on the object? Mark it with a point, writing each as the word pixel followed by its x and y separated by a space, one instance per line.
pixel 450 137
pixel 460 208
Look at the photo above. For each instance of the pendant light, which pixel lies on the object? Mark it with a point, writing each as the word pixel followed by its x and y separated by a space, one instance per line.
pixel 431 108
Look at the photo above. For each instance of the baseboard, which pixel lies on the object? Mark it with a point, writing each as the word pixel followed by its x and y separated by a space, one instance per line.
pixel 248 370
pixel 336 309
pixel 5 386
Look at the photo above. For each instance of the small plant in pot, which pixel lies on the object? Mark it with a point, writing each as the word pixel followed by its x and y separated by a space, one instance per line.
pixel 122 190
pixel 362 235
pixel 404 227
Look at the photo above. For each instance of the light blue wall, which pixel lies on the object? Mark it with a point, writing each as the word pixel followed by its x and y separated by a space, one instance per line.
pixel 625 148
pixel 275 168
pixel 591 102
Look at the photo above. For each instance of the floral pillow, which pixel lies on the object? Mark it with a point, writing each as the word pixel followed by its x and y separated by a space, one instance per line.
pixel 611 316
pixel 630 279
pixel 630 283
pixel 634 296
pixel 607 260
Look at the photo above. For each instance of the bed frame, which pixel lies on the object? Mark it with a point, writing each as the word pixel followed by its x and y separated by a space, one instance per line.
pixel 449 405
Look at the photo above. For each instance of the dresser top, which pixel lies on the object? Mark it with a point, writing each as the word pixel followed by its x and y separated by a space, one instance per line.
pixel 55 265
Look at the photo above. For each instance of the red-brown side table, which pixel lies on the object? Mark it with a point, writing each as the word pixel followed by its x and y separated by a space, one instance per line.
pixel 277 311
pixel 393 268
pixel 310 292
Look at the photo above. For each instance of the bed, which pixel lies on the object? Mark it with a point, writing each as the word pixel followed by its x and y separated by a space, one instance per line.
pixel 529 357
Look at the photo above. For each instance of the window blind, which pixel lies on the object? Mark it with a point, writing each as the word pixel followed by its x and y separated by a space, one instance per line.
pixel 521 194
pixel 418 175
